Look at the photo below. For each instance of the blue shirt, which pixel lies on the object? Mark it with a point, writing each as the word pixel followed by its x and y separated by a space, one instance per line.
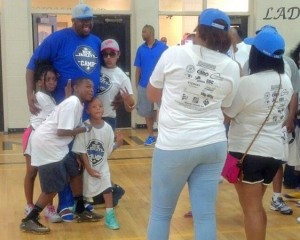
pixel 73 57
pixel 146 59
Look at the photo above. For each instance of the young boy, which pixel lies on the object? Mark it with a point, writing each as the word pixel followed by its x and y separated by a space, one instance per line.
pixel 94 147
pixel 50 153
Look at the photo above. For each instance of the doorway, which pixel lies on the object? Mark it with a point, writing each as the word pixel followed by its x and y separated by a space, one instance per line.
pixel 118 28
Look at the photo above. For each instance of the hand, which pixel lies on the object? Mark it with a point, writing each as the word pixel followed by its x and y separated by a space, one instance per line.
pixel 125 94
pixel 93 173
pixel 32 107
pixel 68 89
pixel 88 127
pixel 117 102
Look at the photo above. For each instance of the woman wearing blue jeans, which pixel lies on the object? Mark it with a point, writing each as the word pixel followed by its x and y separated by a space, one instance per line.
pixel 193 83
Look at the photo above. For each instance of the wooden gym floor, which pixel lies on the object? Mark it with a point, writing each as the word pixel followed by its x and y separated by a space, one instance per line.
pixel 130 167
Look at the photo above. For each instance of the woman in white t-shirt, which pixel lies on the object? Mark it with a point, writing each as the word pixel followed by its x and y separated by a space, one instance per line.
pixel 193 83
pixel 251 105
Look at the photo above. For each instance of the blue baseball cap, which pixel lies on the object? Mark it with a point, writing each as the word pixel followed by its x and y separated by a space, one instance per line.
pixel 266 28
pixel 215 18
pixel 270 43
pixel 82 10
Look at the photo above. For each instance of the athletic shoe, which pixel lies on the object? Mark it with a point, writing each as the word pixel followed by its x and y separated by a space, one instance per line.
pixel 189 214
pixel 87 216
pixel 111 220
pixel 280 205
pixel 117 193
pixel 51 215
pixel 66 215
pixel 33 226
pixel 150 141
pixel 28 209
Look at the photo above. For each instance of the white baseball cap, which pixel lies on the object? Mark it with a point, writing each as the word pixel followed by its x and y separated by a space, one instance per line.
pixel 110 44
pixel 82 10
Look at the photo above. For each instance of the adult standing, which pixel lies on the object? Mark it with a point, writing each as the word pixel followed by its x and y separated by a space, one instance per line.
pixel 74 53
pixel 146 58
pixel 248 111
pixel 193 83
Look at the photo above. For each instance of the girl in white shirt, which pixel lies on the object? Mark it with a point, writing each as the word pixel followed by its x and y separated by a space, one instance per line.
pixel 45 78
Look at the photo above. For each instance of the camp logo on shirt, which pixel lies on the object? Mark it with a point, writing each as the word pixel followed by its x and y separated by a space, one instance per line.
pixel 95 152
pixel 85 58
pixel 105 84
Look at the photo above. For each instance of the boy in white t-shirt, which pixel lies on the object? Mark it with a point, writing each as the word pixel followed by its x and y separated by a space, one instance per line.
pixel 50 153
pixel 94 147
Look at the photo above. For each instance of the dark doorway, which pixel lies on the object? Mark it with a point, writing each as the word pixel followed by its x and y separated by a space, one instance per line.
pixel 118 28
pixel 240 22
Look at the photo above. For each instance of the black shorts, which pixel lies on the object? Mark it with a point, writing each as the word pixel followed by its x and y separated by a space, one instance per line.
pixel 54 176
pixel 258 169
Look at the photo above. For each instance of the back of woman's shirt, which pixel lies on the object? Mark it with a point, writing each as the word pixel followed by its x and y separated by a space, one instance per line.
pixel 249 109
pixel 196 83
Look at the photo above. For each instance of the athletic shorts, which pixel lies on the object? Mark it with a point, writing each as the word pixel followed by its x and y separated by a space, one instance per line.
pixel 144 107
pixel 258 169
pixel 54 176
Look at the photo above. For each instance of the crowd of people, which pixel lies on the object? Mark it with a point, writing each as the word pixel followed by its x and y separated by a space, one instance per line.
pixel 201 89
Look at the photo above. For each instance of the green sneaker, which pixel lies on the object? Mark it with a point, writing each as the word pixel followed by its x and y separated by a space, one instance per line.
pixel 111 220
pixel 33 226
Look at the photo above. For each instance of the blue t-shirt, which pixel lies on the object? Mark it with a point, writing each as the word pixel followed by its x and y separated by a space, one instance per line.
pixel 73 57
pixel 146 59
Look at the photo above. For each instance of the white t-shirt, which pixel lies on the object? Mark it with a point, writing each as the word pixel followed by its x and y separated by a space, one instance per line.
pixel 47 146
pixel 196 83
pixel 98 145
pixel 47 104
pixel 249 109
pixel 242 53
pixel 111 81
pixel 44 102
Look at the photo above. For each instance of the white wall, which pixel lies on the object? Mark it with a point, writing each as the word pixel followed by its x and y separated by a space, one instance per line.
pixel 284 15
pixel 16 49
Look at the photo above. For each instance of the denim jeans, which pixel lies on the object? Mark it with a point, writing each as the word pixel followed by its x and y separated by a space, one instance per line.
pixel 201 168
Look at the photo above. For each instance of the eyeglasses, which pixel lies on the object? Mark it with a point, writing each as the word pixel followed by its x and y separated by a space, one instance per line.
pixel 111 54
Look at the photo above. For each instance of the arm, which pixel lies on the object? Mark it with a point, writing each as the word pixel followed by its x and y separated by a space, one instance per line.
pixel 293 108
pixel 154 94
pixel 87 166
pixel 30 92
pixel 75 131
pixel 137 76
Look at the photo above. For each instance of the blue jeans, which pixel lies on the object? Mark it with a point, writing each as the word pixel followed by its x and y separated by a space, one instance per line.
pixel 201 168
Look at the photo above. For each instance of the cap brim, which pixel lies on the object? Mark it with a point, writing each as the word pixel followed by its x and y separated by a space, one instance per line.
pixel 249 41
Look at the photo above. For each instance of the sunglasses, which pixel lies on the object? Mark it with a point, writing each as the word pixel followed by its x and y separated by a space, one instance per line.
pixel 111 54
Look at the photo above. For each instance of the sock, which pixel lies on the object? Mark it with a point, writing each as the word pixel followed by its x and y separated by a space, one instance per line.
pixel 34 214
pixel 109 209
pixel 276 196
pixel 79 204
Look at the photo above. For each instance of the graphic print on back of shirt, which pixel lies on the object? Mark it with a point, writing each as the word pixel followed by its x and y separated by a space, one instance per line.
pixel 95 152
pixel 105 84
pixel 85 58
pixel 199 90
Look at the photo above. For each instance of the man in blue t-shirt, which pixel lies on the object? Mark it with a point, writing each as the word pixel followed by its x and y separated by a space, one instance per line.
pixel 74 53
pixel 146 58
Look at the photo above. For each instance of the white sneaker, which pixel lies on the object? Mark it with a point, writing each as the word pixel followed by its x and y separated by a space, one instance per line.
pixel 52 215
pixel 28 209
